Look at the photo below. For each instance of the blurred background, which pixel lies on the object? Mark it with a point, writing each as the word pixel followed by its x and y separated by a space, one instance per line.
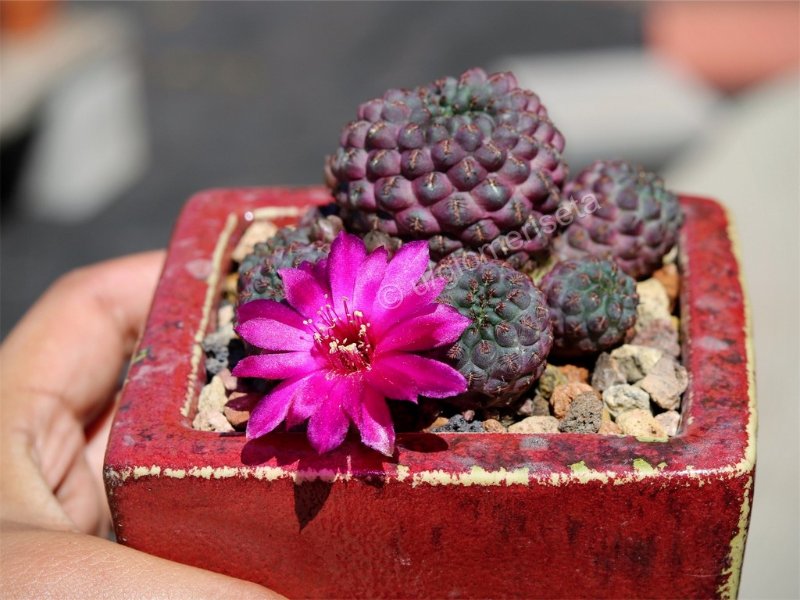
pixel 112 115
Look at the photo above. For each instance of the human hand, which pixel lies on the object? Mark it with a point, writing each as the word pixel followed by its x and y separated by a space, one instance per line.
pixel 59 370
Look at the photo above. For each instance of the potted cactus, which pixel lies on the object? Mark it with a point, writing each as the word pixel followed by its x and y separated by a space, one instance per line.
pixel 450 359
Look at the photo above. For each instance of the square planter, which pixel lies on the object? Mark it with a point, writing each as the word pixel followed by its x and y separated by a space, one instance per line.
pixel 453 515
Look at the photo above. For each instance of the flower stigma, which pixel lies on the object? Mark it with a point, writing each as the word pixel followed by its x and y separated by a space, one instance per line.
pixel 343 339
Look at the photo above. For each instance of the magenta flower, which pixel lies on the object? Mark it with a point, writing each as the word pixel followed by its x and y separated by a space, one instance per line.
pixel 347 338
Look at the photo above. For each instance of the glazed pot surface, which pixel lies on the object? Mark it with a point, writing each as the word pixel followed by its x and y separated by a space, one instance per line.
pixel 450 515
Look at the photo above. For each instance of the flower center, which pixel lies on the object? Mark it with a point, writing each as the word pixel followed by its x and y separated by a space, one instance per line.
pixel 343 339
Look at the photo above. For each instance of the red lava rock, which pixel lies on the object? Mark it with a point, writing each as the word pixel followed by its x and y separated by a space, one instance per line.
pixel 575 374
pixel 607 425
pixel 563 395
pixel 609 428
pixel 237 418
pixel 671 280
pixel 493 426
pixel 237 409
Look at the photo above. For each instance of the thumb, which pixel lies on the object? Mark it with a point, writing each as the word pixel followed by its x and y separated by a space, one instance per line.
pixel 81 566
pixel 72 344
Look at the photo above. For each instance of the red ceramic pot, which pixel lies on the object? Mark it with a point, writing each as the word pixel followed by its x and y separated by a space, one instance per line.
pixel 452 515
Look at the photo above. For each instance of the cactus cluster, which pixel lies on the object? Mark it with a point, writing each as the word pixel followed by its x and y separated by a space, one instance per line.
pixel 636 222
pixel 592 305
pixel 470 158
pixel 473 165
pixel 309 242
pixel 505 348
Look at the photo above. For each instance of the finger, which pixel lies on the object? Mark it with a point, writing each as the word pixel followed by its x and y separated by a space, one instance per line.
pixel 72 344
pixel 44 468
pixel 96 443
pixel 71 462
pixel 47 564
pixel 82 501
pixel 57 369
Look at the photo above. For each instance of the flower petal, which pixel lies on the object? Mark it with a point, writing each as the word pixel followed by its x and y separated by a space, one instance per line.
pixel 344 263
pixel 269 334
pixel 420 301
pixel 320 271
pixel 393 384
pixel 430 377
pixel 375 422
pixel 368 280
pixel 276 366
pixel 303 291
pixel 442 326
pixel 272 408
pixel 408 264
pixel 402 273
pixel 268 309
pixel 422 295
pixel 307 399
pixel 328 426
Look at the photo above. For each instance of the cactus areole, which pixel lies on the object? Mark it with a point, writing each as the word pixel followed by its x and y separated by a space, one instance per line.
pixel 447 514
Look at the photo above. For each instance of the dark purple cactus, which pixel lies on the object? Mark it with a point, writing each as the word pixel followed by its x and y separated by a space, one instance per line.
pixel 467 159
pixel 636 222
